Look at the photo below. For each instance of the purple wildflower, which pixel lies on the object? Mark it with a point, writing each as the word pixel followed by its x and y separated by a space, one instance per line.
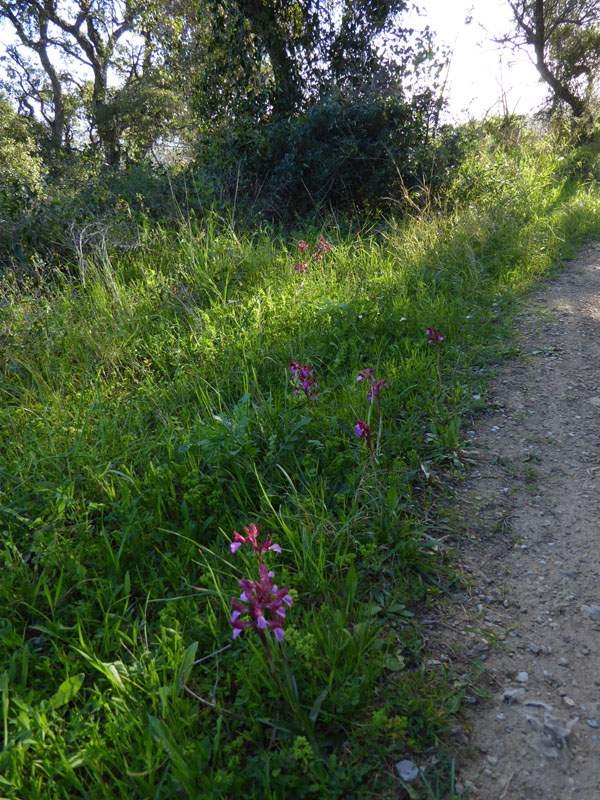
pixel 362 430
pixel 324 245
pixel 257 599
pixel 366 375
pixel 434 336
pixel 376 387
pixel 251 538
pixel 303 380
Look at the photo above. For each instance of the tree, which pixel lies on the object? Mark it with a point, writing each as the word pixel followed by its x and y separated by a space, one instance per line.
pixel 21 171
pixel 34 35
pixel 77 49
pixel 275 57
pixel 565 36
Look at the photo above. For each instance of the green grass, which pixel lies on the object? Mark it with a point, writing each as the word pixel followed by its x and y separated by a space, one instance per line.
pixel 147 413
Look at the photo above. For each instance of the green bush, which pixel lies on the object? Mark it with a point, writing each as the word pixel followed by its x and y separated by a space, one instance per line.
pixel 342 153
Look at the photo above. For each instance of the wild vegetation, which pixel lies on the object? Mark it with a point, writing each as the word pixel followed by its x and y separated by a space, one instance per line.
pixel 149 411
pixel 239 344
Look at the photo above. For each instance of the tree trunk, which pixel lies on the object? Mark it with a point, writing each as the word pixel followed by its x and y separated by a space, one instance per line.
pixel 58 122
pixel 264 22
pixel 539 42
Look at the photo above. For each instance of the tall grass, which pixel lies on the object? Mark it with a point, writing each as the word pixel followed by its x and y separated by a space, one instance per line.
pixel 147 413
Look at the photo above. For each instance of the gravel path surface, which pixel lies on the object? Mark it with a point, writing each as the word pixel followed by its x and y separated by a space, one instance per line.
pixel 531 506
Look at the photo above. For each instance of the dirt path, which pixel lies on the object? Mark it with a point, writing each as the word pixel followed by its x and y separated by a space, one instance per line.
pixel 532 509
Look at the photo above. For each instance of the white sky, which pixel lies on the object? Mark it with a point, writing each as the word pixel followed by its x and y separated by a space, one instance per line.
pixel 482 72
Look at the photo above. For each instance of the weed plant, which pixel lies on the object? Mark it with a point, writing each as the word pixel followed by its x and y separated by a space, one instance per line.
pixel 148 412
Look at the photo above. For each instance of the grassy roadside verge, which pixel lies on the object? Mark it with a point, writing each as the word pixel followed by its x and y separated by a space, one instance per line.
pixel 147 413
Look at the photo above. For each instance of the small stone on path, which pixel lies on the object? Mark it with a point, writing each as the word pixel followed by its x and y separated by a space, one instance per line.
pixel 407 770
pixel 511 696
pixel 590 611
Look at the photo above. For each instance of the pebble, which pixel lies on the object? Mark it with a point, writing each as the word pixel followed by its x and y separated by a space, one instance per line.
pixel 537 704
pixel 564 662
pixel 511 696
pixel 592 723
pixel 558 728
pixel 590 611
pixel 552 753
pixel 522 677
pixel 459 736
pixel 407 770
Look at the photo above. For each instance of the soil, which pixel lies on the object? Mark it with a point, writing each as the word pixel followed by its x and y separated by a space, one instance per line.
pixel 530 507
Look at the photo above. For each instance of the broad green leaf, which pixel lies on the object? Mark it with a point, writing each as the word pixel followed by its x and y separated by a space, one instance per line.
pixel 67 691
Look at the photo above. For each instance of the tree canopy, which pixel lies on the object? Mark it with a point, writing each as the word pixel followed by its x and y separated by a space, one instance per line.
pixel 275 57
pixel 99 59
pixel 122 73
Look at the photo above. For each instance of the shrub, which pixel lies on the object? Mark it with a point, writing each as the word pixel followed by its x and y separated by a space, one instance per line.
pixel 344 152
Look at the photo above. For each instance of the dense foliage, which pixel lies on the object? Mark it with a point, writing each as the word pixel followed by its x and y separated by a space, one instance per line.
pixel 345 153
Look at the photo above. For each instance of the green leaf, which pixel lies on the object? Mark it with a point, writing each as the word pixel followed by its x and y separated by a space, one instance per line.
pixel 67 691
pixel 281 726
pixel 164 737
pixel 351 584
pixel 316 706
pixel 5 703
pixel 392 498
pixel 395 663
pixel 187 662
